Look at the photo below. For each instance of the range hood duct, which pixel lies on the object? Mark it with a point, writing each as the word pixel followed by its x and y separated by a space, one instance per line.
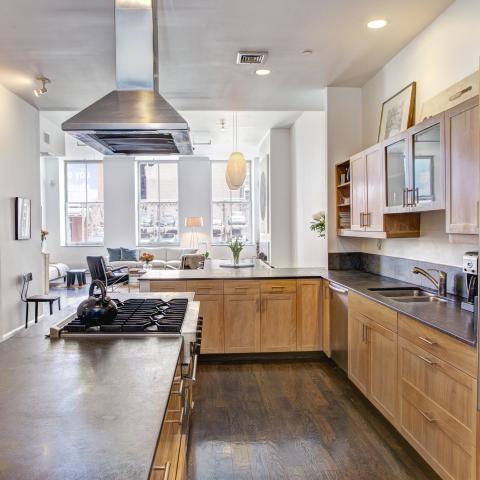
pixel 134 119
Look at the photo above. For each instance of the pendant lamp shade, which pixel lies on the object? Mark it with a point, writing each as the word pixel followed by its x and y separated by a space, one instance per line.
pixel 236 171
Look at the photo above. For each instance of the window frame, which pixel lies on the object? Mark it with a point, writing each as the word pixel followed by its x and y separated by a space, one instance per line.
pixel 139 202
pixel 214 242
pixel 86 203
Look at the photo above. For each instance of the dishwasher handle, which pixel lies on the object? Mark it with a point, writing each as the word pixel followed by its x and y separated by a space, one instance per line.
pixel 337 289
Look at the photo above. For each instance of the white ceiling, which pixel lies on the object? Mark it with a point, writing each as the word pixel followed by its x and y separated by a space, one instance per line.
pixel 72 42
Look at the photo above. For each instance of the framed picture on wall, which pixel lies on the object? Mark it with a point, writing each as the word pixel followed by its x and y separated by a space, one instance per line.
pixel 398 113
pixel 23 221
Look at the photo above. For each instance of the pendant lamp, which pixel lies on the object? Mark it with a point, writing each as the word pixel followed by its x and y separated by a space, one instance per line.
pixel 236 171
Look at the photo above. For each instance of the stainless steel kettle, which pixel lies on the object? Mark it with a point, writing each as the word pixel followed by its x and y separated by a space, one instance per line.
pixel 97 309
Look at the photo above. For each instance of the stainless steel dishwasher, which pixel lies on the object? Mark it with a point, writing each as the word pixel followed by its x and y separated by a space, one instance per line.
pixel 339 325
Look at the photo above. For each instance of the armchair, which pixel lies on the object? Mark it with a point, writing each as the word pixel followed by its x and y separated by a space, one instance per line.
pixel 110 277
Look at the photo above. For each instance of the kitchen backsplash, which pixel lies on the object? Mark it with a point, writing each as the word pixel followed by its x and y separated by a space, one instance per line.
pixel 398 268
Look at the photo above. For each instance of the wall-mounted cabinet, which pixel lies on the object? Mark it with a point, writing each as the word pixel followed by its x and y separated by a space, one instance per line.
pixel 367 190
pixel 415 168
pixel 462 139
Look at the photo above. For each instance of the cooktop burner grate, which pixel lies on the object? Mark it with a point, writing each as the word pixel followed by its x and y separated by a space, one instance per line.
pixel 139 315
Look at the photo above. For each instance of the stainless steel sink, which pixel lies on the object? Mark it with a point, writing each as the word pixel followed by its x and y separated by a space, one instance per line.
pixel 402 292
pixel 408 295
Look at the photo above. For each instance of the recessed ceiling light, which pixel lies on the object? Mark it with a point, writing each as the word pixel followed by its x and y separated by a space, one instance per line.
pixel 307 52
pixel 262 71
pixel 377 23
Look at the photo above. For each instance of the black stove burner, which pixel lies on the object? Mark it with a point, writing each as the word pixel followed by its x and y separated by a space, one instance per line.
pixel 139 315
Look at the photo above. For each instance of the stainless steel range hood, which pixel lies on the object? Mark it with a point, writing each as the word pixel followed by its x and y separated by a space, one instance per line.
pixel 134 119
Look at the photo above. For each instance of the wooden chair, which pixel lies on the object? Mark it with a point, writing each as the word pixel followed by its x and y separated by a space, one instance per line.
pixel 36 299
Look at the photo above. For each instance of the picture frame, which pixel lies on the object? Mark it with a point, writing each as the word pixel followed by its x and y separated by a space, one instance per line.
pixel 23 218
pixel 398 112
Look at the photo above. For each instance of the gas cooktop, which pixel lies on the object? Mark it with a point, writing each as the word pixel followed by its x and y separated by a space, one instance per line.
pixel 145 316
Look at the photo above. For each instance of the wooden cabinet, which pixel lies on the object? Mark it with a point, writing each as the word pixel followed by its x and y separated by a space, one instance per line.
pixel 366 190
pixel 462 139
pixel 278 322
pixel 382 354
pixel 309 315
pixel 213 332
pixel 415 168
pixel 169 459
pixel 168 286
pixel 242 323
pixel 358 351
pixel 358 191
pixel 437 410
pixel 372 353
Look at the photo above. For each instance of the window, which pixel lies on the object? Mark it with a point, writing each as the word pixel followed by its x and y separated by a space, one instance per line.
pixel 84 203
pixel 157 202
pixel 231 209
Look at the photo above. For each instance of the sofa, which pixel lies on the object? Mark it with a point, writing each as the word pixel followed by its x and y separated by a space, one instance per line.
pixel 165 257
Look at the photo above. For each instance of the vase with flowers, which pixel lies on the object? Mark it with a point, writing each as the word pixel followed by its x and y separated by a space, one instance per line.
pixel 236 247
pixel 43 236
pixel 147 259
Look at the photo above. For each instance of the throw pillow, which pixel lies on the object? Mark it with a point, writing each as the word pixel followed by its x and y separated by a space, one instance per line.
pixel 114 254
pixel 130 255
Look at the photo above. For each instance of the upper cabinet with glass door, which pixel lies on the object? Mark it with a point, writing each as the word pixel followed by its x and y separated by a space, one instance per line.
pixel 396 173
pixel 427 165
pixel 415 168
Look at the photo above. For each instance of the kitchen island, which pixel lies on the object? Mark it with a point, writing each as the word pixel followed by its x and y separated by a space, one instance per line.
pixel 83 409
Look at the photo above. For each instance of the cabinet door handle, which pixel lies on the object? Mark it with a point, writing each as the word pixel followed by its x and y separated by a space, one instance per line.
pixel 426 416
pixel 165 468
pixel 426 360
pixel 362 220
pixel 180 417
pixel 416 197
pixel 404 204
pixel 366 333
pixel 369 220
pixel 363 333
pixel 335 288
pixel 427 340
pixel 279 287
pixel 178 382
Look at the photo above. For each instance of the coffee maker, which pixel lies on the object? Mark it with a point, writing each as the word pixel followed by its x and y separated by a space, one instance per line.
pixel 470 267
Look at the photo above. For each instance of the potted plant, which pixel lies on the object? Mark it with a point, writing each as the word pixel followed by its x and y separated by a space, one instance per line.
pixel 236 246
pixel 43 236
pixel 318 225
pixel 146 258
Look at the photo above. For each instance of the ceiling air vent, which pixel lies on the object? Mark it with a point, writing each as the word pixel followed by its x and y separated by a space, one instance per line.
pixel 251 58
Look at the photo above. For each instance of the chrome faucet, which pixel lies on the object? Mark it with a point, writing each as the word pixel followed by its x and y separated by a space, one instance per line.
pixel 440 284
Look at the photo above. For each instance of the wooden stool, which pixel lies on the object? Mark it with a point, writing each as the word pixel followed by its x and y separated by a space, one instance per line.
pixel 36 299
pixel 80 274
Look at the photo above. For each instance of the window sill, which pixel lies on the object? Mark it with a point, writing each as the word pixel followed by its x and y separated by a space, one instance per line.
pixel 155 245
pixel 85 245
pixel 226 245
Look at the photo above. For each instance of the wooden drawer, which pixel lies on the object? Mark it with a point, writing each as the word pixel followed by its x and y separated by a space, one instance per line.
pixel 278 286
pixel 241 287
pixel 374 311
pixel 205 287
pixel 450 388
pixel 168 451
pixel 444 443
pixel 439 344
pixel 168 286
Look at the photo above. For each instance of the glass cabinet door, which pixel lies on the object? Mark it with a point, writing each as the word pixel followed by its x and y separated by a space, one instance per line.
pixel 396 173
pixel 427 168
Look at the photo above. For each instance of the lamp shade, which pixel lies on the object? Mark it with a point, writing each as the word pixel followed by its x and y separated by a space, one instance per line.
pixel 236 170
pixel 193 222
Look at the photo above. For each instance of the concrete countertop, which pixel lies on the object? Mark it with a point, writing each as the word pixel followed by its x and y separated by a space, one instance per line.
pixel 82 409
pixel 447 317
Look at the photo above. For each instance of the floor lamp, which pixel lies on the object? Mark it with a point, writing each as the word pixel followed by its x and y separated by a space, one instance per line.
pixel 194 223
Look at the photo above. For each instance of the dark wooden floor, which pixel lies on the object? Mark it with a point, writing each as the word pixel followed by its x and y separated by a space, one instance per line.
pixel 292 420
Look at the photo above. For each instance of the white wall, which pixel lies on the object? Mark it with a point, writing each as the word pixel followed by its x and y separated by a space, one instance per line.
pixel 309 188
pixel 344 137
pixel 20 176
pixel 444 53
pixel 278 142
